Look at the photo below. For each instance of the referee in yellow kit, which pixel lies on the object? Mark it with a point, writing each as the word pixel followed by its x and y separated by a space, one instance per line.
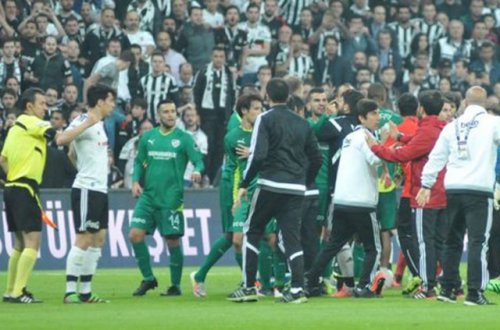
pixel 23 159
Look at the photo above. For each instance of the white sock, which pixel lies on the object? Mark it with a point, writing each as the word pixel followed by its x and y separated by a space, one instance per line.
pixel 345 261
pixel 89 268
pixel 74 263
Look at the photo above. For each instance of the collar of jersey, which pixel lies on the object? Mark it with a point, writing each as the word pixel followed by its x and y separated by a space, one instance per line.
pixel 166 134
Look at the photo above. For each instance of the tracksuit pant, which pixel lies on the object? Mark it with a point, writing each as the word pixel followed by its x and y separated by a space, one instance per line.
pixel 309 235
pixel 429 229
pixel 346 223
pixel 494 247
pixel 287 209
pixel 474 213
pixel 406 236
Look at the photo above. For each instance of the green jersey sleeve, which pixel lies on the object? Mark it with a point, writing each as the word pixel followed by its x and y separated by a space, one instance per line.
pixel 140 161
pixel 194 154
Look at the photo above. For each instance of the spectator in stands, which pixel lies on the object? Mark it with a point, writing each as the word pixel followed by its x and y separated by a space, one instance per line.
pixel 281 51
pixel 473 15
pixel 359 38
pixel 429 25
pixel 191 121
pixel 211 16
pixel 453 46
pixel 136 72
pixel 388 79
pixel 10 66
pixel 9 100
pixel 98 37
pixel 330 26
pixel 414 86
pixel 487 63
pixel 79 67
pixel 378 21
pixel 445 85
pixel 49 68
pixel 259 45
pixel 150 15
pixel 185 95
pixel 479 33
pixel 452 8
pixel 388 55
pixel 232 38
pixel 214 97
pixel 186 77
pixel 271 18
pixel 143 38
pixel 459 76
pixel 264 74
pixel 52 99
pixel 305 27
pixel 158 85
pixel 70 97
pixel 196 40
pixel 72 31
pixel 173 58
pixel 330 68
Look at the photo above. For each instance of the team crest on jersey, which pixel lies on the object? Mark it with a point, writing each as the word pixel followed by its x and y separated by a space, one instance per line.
pixel 176 143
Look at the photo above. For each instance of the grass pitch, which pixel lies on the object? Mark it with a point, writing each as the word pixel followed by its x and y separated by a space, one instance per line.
pixel 214 312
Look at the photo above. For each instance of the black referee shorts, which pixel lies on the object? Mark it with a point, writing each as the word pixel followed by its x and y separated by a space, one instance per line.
pixel 22 210
pixel 90 210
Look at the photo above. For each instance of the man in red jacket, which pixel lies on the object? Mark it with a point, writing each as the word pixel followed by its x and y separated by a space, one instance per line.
pixel 408 106
pixel 429 222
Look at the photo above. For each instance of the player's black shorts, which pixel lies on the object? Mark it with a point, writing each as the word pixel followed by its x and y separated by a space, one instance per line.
pixel 22 210
pixel 90 210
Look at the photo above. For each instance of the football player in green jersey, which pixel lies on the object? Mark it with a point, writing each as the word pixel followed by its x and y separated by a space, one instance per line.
pixel 162 157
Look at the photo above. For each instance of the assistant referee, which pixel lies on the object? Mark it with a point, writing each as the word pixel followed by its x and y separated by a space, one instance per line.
pixel 285 154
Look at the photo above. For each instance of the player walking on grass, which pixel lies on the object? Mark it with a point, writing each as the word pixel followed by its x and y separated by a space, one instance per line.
pixel 89 195
pixel 282 147
pixel 163 155
pixel 249 106
pixel 355 201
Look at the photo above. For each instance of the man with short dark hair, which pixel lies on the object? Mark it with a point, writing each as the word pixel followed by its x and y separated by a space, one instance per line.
pixel 214 94
pixel 285 154
pixel 165 150
pixel 354 209
pixel 429 223
pixel 89 198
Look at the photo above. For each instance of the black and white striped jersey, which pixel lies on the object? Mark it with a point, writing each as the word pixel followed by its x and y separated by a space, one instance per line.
pixel 433 31
pixel 290 9
pixel 404 36
pixel 320 50
pixel 164 6
pixel 301 66
pixel 157 88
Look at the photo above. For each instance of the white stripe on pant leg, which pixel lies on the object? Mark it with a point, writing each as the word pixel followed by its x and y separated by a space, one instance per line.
pixel 422 269
pixel 378 245
pixel 246 226
pixel 485 276
pixel 253 203
pixel 83 208
pixel 296 254
pixel 281 244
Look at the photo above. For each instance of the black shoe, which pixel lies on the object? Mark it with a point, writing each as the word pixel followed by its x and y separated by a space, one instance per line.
pixel 447 295
pixel 25 299
pixel 244 295
pixel 313 291
pixel 476 299
pixel 293 298
pixel 172 291
pixel 6 298
pixel 266 292
pixel 459 292
pixel 364 293
pixel 145 287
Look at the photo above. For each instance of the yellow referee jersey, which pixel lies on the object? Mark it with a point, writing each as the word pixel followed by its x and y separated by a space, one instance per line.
pixel 25 148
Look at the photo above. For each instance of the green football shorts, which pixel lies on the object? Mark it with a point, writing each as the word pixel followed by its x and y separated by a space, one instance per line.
pixel 148 218
pixel 386 210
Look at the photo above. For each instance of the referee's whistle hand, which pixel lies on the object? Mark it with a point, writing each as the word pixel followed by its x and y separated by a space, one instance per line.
pixel 136 189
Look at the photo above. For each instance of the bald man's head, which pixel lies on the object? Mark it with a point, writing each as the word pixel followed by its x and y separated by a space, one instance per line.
pixel 476 96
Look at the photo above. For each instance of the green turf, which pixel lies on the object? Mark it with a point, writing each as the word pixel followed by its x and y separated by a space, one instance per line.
pixel 214 312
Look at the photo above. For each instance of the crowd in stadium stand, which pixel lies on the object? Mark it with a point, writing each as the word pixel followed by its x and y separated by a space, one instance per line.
pixel 204 54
